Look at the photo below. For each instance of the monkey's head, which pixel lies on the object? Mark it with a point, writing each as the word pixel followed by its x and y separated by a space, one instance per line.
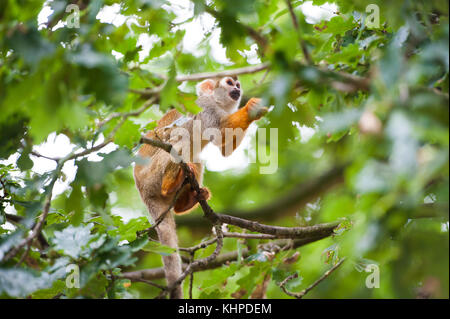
pixel 226 92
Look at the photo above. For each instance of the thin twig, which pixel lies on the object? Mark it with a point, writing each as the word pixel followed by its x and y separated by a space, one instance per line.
pixel 339 80
pixel 300 294
pixel 230 235
pixel 109 139
pixel 98 147
pixel 56 159
pixel 16 219
pixel 296 26
pixel 148 282
pixel 199 246
pixel 148 93
pixel 191 277
pixel 261 81
pixel 25 254
pixel 126 115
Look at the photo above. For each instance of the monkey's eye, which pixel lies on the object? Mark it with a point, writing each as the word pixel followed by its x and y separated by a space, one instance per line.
pixel 229 82
pixel 238 85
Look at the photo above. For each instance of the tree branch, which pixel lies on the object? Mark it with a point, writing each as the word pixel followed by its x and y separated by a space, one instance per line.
pixel 44 156
pixel 292 202
pixel 278 231
pixel 250 236
pixel 225 258
pixel 154 93
pixel 16 219
pixel 220 74
pixel 199 246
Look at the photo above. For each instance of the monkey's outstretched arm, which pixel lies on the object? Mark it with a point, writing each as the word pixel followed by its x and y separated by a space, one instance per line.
pixel 233 126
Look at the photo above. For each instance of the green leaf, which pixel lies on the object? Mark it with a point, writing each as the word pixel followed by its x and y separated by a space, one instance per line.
pixel 169 92
pixel 128 135
pixel 128 231
pixel 350 55
pixel 93 173
pixel 29 44
pixel 72 241
pixel 391 66
pixel 74 204
pixel 100 74
pixel 216 279
pixel 254 277
pixel 337 122
pixel 335 207
pixel 158 248
pixel 57 288
pixel 338 25
pixel 24 162
pixel 404 144
pixel 20 282
pixel 12 130
pixel 374 177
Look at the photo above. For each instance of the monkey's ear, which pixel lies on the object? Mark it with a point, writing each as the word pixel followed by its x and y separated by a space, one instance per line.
pixel 205 87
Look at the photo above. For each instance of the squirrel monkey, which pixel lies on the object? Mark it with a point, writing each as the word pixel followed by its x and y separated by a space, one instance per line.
pixel 162 179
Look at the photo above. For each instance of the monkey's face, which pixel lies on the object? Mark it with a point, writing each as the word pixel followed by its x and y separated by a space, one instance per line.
pixel 232 87
pixel 226 92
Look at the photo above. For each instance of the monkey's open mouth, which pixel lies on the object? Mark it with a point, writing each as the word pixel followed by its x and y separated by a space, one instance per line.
pixel 235 94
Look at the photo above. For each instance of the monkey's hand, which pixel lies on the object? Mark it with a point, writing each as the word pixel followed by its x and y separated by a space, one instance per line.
pixel 255 109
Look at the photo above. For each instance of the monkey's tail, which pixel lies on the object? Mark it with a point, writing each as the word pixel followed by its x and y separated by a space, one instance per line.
pixel 168 236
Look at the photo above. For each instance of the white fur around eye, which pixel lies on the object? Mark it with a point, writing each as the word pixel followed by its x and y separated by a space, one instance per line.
pixel 225 80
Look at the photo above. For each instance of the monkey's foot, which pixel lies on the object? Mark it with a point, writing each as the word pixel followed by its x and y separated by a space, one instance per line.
pixel 171 183
pixel 188 200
